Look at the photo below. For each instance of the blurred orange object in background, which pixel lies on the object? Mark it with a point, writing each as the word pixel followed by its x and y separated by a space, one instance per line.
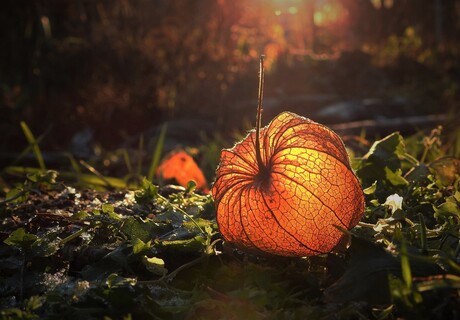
pixel 180 166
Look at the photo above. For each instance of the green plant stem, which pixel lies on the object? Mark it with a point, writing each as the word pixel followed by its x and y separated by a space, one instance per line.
pixel 73 162
pixel 140 156
pixel 176 207
pixel 423 241
pixel 34 144
pixel 173 274
pixel 413 160
pixel 405 265
pixel 17 195
pixel 27 149
pixel 72 236
pixel 97 173
pixel 366 225
pixel 157 153
pixel 127 161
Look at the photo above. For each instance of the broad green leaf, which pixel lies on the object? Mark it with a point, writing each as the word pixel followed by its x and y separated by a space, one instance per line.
pixel 155 265
pixel 82 215
pixel 148 192
pixel 114 280
pixel 172 217
pixel 113 262
pixel 16 195
pixel 366 277
pixel 109 210
pixel 145 230
pixel 387 152
pixel 194 245
pixel 139 245
pixel 48 176
pixel 371 189
pixel 395 178
pixel 202 223
pixel 448 208
pixel 20 238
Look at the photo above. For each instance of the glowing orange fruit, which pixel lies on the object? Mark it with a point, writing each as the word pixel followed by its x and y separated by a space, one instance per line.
pixel 180 166
pixel 282 189
pixel 290 205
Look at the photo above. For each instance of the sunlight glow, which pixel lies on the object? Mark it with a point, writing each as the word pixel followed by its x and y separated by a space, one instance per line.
pixel 386 3
pixel 293 10
pixel 327 14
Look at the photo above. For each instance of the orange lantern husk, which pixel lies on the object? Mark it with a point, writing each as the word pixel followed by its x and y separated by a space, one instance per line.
pixel 181 167
pixel 291 203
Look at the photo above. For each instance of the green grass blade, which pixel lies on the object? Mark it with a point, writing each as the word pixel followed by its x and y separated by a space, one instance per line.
pixel 140 153
pixel 127 160
pixel 73 162
pixel 87 180
pixel 157 153
pixel 97 173
pixel 423 241
pixel 448 281
pixel 405 265
pixel 27 149
pixel 33 143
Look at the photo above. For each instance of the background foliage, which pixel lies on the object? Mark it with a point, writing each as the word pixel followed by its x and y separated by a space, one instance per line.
pixel 120 67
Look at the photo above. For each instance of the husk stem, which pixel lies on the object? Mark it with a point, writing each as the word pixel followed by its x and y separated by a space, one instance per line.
pixel 260 163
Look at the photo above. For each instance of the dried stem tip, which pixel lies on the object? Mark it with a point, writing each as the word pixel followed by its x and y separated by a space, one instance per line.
pixel 260 163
